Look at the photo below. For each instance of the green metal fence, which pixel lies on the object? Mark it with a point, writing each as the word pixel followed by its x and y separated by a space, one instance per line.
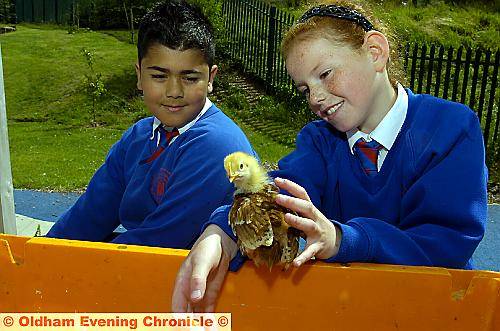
pixel 463 75
pixel 44 11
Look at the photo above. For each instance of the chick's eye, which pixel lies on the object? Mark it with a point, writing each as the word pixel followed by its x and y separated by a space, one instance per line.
pixel 241 166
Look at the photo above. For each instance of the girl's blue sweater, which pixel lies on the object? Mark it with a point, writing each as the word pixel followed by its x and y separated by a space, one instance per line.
pixel 426 206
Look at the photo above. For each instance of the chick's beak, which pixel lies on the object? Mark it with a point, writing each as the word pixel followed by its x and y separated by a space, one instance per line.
pixel 230 174
pixel 232 177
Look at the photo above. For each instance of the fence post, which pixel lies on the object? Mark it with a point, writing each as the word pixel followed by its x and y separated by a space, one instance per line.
pixel 56 11
pixel 7 214
pixel 413 67
pixel 270 47
pixel 489 112
pixel 493 90
pixel 456 74
pixel 484 82
pixel 423 54
pixel 19 11
pixel 430 69
pixel 475 75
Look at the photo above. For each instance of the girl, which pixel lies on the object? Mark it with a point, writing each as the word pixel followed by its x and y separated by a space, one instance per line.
pixel 387 176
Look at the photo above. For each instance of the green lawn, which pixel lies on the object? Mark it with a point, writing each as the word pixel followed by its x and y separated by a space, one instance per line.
pixel 53 146
pixel 56 156
pixel 473 24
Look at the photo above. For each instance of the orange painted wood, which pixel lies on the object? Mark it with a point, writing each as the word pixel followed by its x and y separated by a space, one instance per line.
pixel 53 275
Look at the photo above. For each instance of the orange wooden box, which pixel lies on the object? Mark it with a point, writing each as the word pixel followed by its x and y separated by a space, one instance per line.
pixel 53 275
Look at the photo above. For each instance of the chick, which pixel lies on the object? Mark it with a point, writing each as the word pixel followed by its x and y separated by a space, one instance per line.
pixel 256 219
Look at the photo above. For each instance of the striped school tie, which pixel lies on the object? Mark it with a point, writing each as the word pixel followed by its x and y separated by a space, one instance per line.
pixel 367 153
pixel 169 135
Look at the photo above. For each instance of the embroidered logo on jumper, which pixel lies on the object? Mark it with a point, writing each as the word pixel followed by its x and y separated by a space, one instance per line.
pixel 158 184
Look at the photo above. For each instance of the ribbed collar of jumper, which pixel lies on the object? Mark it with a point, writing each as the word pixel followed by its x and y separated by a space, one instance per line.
pixel 388 129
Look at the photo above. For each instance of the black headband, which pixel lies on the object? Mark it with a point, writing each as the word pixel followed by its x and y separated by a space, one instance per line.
pixel 338 12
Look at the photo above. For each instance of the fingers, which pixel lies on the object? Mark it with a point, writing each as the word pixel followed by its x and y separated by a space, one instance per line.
pixel 198 282
pixel 180 299
pixel 293 188
pixel 191 281
pixel 205 259
pixel 214 285
pixel 304 224
pixel 298 202
pixel 306 255
pixel 191 284
pixel 300 206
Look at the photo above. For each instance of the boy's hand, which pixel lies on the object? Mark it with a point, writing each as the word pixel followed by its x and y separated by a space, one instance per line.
pixel 201 275
pixel 323 237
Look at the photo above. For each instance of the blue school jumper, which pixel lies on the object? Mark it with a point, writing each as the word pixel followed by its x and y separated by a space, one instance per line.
pixel 162 197
pixel 426 206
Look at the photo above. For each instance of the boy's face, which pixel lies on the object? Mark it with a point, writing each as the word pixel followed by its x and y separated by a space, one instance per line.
pixel 341 85
pixel 175 83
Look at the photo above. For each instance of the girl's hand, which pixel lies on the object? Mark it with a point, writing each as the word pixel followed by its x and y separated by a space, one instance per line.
pixel 322 236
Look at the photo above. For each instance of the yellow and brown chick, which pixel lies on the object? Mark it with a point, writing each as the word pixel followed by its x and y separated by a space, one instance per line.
pixel 256 219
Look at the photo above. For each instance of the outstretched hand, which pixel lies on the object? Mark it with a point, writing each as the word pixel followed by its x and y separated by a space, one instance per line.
pixel 202 274
pixel 322 236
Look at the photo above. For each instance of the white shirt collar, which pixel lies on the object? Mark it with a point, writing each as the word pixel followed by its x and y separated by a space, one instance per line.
pixel 387 130
pixel 157 123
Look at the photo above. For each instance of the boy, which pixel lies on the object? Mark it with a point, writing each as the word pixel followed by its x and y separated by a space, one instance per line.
pixel 164 177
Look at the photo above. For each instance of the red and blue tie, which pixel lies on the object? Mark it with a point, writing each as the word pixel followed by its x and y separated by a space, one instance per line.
pixel 367 153
pixel 169 135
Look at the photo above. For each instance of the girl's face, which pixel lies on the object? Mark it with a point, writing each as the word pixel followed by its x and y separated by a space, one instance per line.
pixel 340 84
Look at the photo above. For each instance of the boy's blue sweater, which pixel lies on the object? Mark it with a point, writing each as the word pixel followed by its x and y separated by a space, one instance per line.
pixel 426 206
pixel 161 202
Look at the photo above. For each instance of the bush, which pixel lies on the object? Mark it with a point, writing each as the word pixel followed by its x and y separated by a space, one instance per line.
pixel 7 12
pixel 94 84
pixel 115 14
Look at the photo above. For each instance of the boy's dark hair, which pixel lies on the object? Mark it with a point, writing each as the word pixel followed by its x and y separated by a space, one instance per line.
pixel 178 25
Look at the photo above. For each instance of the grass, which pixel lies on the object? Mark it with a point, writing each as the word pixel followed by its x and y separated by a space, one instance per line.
pixel 473 24
pixel 53 146
pixel 44 74
pixel 57 157
pixel 269 151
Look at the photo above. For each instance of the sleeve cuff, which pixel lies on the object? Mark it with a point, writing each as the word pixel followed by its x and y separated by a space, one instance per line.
pixel 220 218
pixel 354 246
pixel 237 262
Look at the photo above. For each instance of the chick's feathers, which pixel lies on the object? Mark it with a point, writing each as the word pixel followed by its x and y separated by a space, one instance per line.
pixel 255 218
pixel 259 223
